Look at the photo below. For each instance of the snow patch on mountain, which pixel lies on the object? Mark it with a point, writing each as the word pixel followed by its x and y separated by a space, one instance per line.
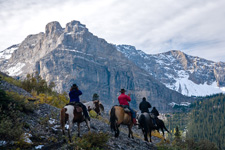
pixel 7 53
pixel 185 104
pixel 223 89
pixel 16 70
pixel 189 88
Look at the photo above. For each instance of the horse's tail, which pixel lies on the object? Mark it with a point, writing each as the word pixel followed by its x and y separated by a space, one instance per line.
pixel 166 128
pixel 113 119
pixel 62 119
pixel 163 126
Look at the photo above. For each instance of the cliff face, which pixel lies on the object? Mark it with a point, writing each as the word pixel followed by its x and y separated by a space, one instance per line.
pixel 74 55
pixel 178 71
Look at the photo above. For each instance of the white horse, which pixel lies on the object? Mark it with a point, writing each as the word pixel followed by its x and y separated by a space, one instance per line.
pixel 72 114
pixel 95 105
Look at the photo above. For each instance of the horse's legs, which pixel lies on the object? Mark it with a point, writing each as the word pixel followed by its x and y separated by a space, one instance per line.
pixel 63 131
pixel 63 120
pixel 145 135
pixel 130 132
pixel 88 124
pixel 69 135
pixel 78 128
pixel 150 135
pixel 117 131
pixel 70 128
pixel 162 131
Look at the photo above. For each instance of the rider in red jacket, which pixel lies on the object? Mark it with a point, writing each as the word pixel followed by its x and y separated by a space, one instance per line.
pixel 123 100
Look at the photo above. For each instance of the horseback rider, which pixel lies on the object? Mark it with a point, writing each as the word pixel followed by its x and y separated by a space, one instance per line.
pixel 144 106
pixel 95 97
pixel 155 114
pixel 74 99
pixel 123 100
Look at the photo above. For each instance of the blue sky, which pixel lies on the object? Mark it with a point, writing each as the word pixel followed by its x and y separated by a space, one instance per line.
pixel 154 26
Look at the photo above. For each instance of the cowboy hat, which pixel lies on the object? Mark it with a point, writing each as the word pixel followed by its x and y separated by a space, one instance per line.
pixel 122 90
pixel 74 86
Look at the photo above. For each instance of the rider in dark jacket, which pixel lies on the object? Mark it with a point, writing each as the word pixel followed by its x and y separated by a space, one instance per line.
pixel 155 114
pixel 144 106
pixel 74 98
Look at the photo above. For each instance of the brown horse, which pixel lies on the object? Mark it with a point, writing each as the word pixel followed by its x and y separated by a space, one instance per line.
pixel 72 114
pixel 117 117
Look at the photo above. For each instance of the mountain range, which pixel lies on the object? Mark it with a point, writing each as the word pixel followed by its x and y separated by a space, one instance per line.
pixel 74 55
pixel 189 75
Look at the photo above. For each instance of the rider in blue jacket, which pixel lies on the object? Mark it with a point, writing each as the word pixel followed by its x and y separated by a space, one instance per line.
pixel 74 98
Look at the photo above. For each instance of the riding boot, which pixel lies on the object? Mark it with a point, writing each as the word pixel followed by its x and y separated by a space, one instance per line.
pixel 134 121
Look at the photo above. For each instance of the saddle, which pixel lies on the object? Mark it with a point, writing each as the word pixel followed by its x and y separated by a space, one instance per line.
pixel 152 115
pixel 77 106
pixel 126 109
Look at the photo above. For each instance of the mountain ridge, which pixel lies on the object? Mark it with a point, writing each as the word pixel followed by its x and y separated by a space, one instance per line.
pixel 189 75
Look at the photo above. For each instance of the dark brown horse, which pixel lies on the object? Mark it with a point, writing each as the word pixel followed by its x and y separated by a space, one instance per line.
pixel 117 117
pixel 72 114
pixel 147 126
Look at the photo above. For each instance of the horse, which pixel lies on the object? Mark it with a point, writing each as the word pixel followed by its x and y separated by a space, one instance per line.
pixel 118 116
pixel 72 113
pixel 147 126
pixel 161 125
pixel 95 105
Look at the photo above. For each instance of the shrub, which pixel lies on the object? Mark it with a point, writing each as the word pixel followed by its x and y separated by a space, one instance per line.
pixel 12 106
pixel 10 125
pixel 91 141
pixel 93 114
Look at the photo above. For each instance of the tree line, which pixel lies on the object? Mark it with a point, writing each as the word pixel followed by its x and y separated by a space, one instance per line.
pixel 207 120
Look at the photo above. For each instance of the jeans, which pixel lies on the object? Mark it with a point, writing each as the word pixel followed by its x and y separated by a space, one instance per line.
pixel 133 113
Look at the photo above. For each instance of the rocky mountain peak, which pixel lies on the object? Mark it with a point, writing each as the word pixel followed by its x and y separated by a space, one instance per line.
pixel 75 26
pixel 181 57
pixel 53 28
pixel 127 50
